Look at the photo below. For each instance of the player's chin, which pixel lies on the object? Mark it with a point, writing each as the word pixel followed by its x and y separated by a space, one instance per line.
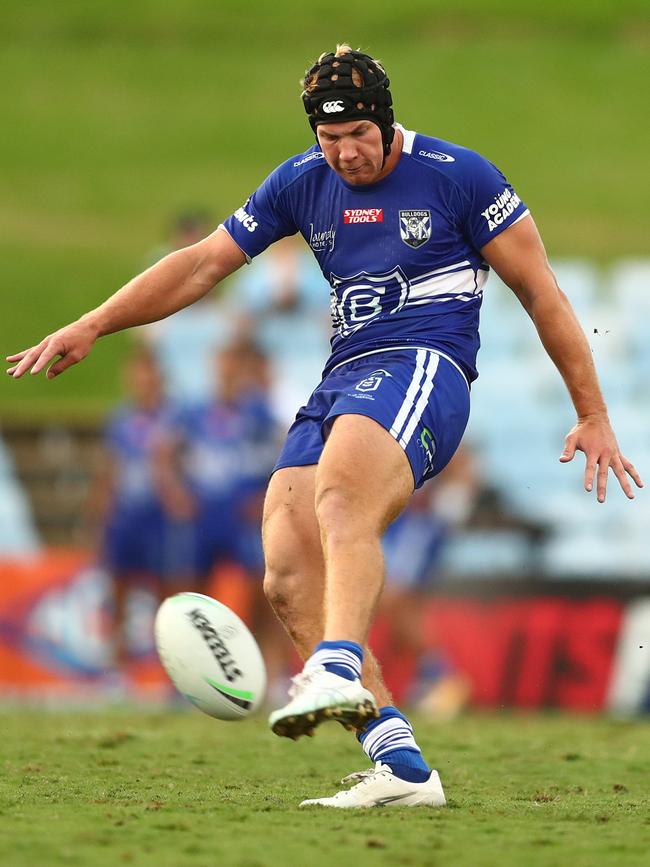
pixel 357 176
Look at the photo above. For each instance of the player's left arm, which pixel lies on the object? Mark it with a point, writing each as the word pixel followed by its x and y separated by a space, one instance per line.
pixel 518 256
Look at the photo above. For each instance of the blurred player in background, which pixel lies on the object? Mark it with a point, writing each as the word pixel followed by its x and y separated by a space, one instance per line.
pixel 213 463
pixel 138 541
pixel 282 302
pixel 405 227
pixel 414 547
pixel 185 343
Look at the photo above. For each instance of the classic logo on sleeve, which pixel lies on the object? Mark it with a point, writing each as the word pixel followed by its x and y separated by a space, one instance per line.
pixel 501 208
pixel 316 155
pixel 247 221
pixel 438 156
pixel 363 215
pixel 415 227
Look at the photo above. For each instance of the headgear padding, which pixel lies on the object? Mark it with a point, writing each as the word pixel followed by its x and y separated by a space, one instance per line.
pixel 334 97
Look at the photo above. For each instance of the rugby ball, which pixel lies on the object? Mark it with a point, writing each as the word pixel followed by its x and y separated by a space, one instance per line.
pixel 210 656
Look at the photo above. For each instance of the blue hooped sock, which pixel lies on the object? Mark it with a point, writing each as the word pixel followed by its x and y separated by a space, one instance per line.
pixel 390 740
pixel 344 658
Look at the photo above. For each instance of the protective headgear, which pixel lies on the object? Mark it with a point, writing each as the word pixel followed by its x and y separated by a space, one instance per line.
pixel 335 97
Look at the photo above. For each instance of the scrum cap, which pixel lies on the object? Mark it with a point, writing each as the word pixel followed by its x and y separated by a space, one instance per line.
pixel 349 86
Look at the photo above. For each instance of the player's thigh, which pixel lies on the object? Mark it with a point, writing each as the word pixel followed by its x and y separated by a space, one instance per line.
pixel 290 533
pixel 363 476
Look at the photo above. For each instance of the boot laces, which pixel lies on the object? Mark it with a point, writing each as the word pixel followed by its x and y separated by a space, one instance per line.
pixel 363 777
pixel 304 679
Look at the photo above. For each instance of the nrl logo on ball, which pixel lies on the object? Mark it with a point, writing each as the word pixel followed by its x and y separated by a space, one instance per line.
pixel 415 227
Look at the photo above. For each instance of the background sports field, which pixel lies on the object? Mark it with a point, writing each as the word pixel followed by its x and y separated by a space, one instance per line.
pixel 116 115
pixel 182 790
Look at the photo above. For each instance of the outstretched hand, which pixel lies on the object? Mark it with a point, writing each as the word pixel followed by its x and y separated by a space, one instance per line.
pixel 594 436
pixel 70 345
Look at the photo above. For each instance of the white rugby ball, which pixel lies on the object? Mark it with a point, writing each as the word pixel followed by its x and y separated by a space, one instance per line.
pixel 210 656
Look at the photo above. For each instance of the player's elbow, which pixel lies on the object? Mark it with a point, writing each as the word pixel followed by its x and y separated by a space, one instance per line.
pixel 207 270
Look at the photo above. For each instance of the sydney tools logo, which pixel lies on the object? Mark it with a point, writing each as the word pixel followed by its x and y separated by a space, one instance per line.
pixel 363 215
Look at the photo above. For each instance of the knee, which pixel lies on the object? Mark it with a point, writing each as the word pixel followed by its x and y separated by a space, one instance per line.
pixel 341 514
pixel 283 576
pixel 279 581
pixel 282 589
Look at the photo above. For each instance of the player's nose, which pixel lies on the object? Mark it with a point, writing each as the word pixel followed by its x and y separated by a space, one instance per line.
pixel 348 151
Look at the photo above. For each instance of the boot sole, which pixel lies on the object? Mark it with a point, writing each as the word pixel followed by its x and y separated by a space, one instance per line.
pixel 297 725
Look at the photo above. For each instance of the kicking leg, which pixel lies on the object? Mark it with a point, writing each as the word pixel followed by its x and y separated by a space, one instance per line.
pixel 362 482
pixel 295 569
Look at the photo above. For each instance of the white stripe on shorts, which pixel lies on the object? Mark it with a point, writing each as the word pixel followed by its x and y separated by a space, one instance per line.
pixel 421 405
pixel 411 394
pixel 416 397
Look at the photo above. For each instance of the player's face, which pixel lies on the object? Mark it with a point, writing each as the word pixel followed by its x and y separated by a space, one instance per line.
pixel 353 149
pixel 144 382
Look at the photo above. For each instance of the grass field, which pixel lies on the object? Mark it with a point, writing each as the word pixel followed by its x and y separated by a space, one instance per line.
pixel 118 115
pixel 180 789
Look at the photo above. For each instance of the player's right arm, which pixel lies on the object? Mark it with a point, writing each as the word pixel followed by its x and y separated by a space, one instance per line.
pixel 176 281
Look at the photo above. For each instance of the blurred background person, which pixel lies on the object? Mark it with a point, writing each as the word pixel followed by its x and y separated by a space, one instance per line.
pixel 185 343
pixel 414 548
pixel 138 542
pixel 18 536
pixel 214 462
pixel 282 302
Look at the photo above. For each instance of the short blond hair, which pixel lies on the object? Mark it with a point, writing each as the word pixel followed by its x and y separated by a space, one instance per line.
pixel 308 83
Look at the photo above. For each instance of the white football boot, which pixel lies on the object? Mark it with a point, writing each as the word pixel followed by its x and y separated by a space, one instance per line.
pixel 318 695
pixel 379 787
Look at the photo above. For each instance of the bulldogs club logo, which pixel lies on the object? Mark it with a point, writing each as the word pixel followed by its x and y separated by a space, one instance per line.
pixel 415 227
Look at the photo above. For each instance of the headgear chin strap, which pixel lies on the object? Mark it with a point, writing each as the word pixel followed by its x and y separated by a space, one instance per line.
pixel 334 97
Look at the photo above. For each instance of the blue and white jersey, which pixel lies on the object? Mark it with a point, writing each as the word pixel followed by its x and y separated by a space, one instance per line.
pixel 402 256
pixel 228 449
pixel 130 438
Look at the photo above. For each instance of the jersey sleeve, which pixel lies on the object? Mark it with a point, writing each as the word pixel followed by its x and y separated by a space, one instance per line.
pixel 488 203
pixel 264 217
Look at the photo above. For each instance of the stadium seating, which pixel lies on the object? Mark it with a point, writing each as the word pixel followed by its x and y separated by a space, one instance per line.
pixel 521 414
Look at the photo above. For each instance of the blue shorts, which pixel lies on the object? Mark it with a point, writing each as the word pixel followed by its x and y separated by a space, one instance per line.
pixel 222 534
pixel 418 396
pixel 144 541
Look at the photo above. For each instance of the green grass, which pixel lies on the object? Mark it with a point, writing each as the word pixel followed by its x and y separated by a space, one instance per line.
pixel 120 114
pixel 181 789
